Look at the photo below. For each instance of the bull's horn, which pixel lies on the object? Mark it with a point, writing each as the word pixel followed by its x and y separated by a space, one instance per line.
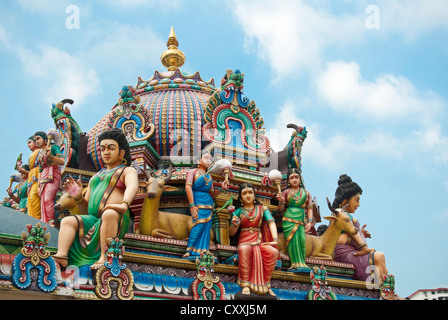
pixel 293 126
pixel 335 212
pixel 70 101
pixel 148 173
pixel 170 172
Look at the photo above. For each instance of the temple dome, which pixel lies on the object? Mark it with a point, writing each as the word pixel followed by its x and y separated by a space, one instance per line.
pixel 171 103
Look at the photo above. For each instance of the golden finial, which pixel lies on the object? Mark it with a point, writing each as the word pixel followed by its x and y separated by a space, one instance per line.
pixel 172 58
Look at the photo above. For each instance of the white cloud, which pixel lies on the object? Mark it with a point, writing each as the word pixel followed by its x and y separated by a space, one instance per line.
pixel 389 97
pixel 108 48
pixel 325 153
pixel 279 134
pixel 413 18
pixel 4 39
pixel 115 46
pixel 132 4
pixel 334 149
pixel 44 6
pixel 292 36
pixel 433 141
pixel 59 74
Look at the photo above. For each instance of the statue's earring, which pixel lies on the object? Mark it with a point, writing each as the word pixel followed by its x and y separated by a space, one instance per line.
pixel 124 161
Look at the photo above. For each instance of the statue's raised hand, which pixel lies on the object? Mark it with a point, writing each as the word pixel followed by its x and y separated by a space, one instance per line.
pixel 73 188
pixel 365 233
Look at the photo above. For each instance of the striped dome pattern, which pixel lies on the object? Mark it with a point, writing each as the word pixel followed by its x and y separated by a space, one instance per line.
pixel 174 102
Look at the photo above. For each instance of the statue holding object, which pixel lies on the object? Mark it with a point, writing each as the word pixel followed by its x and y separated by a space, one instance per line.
pixel 257 243
pixel 296 203
pixel 354 249
pixel 19 195
pixel 105 204
pixel 50 161
pixel 200 194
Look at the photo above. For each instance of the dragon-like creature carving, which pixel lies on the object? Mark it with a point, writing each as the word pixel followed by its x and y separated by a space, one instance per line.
pixel 388 288
pixel 70 132
pixel 320 289
pixel 34 255
pixel 114 270
pixel 205 286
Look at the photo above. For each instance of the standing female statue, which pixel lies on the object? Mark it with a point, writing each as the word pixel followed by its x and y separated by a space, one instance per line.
pixel 257 242
pixel 296 202
pixel 83 238
pixel 19 195
pixel 354 249
pixel 33 202
pixel 50 160
pixel 200 194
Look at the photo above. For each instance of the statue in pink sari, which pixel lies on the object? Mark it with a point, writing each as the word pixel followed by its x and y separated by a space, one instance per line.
pixel 49 159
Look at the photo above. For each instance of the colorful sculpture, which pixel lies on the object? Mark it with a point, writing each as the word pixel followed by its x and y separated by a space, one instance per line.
pixel 354 249
pixel 82 238
pixel 114 270
pixel 50 160
pixel 174 116
pixel 161 224
pixel 205 286
pixel 233 125
pixel 19 195
pixel 200 194
pixel 257 243
pixel 66 202
pixel 296 203
pixel 320 290
pixel 69 130
pixel 294 146
pixel 388 288
pixel 34 256
pixel 33 201
pixel 322 247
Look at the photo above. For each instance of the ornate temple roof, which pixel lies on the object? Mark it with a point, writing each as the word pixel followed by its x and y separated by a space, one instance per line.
pixel 173 101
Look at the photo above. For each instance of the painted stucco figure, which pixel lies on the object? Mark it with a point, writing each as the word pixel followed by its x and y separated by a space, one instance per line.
pixel 33 201
pixel 106 202
pixel 50 161
pixel 296 203
pixel 257 243
pixel 354 249
pixel 200 194
pixel 69 130
pixel 19 194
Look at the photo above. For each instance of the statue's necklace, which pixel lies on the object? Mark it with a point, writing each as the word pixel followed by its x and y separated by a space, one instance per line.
pixel 206 179
pixel 250 215
pixel 297 195
pixel 104 172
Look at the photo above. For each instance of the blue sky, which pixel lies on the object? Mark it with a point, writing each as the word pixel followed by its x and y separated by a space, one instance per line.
pixel 367 78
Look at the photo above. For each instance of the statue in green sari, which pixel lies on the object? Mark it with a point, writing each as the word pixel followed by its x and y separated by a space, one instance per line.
pixel 296 203
pixel 105 204
pixel 19 194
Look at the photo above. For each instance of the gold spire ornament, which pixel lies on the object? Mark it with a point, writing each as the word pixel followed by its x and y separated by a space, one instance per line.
pixel 172 58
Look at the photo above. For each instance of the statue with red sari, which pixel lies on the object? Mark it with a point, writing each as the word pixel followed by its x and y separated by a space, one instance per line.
pixel 257 244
